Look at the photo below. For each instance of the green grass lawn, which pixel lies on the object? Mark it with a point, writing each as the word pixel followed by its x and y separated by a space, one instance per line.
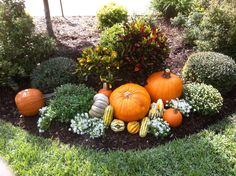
pixel 210 152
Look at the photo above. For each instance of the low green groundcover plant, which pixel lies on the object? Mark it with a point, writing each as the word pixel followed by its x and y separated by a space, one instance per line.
pixel 211 68
pixel 68 100
pixel 210 152
pixel 53 73
pixel 203 98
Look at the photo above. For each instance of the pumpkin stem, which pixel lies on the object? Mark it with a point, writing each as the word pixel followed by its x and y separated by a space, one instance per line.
pixel 127 94
pixel 176 110
pixel 166 73
pixel 105 86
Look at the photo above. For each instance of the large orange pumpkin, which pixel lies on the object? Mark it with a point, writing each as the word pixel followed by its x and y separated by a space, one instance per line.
pixel 130 102
pixel 173 117
pixel 29 101
pixel 164 85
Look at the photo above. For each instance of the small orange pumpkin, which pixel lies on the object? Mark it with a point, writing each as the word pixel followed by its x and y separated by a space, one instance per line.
pixel 173 117
pixel 164 85
pixel 130 102
pixel 105 90
pixel 29 101
pixel 133 127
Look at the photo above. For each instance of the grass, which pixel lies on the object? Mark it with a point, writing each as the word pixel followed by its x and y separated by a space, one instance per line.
pixel 210 152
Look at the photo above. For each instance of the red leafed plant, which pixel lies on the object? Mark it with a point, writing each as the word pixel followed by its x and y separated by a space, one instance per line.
pixel 142 48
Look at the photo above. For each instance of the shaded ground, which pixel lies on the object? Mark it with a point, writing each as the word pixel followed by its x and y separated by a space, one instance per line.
pixel 76 33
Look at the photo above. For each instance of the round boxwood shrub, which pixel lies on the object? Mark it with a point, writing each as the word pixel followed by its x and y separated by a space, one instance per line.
pixel 204 99
pixel 111 36
pixel 211 68
pixel 111 14
pixel 53 73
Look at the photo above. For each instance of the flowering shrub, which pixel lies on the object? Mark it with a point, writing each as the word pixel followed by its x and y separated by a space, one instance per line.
pixel 182 105
pixel 100 60
pixel 45 119
pixel 204 99
pixel 158 127
pixel 83 124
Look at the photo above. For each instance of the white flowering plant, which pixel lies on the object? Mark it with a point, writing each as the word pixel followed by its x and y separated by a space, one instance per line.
pixel 46 117
pixel 83 124
pixel 182 105
pixel 158 127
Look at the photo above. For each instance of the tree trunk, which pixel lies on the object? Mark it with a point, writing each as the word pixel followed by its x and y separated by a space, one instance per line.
pixel 48 19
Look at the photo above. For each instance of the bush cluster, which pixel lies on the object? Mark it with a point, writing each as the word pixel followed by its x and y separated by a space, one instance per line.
pixel 69 100
pixel 111 14
pixel 209 24
pixel 171 8
pixel 53 73
pixel 19 45
pixel 203 98
pixel 211 68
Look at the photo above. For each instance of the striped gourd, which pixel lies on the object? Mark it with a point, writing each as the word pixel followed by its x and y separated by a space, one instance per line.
pixel 153 112
pixel 144 127
pixel 117 125
pixel 108 115
pixel 133 127
pixel 160 107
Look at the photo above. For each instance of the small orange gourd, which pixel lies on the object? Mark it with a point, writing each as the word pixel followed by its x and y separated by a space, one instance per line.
pixel 130 102
pixel 133 127
pixel 29 101
pixel 164 85
pixel 105 90
pixel 173 117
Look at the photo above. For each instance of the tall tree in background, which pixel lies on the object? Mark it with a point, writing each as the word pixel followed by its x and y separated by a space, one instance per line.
pixel 48 19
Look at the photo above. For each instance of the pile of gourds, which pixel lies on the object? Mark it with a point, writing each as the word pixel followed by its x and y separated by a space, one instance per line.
pixel 131 104
pixel 128 104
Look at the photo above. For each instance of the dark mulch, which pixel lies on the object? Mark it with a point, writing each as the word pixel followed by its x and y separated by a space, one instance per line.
pixel 76 33
pixel 113 141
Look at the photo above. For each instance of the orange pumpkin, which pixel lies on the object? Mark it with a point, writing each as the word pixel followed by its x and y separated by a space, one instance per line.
pixel 133 127
pixel 29 101
pixel 164 85
pixel 130 102
pixel 173 117
pixel 105 90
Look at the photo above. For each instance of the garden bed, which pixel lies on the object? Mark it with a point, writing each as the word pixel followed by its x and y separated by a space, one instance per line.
pixel 112 140
pixel 74 34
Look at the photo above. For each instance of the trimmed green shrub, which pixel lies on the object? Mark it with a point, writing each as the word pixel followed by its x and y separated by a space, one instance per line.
pixel 53 73
pixel 204 99
pixel 170 8
pixel 111 36
pixel 111 14
pixel 19 45
pixel 69 100
pixel 211 68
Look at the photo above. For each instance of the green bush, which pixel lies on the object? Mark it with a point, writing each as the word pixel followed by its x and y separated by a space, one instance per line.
pixel 211 68
pixel 142 48
pixel 204 99
pixel 101 61
pixel 171 8
pixel 53 73
pixel 19 45
pixel 111 14
pixel 111 36
pixel 68 100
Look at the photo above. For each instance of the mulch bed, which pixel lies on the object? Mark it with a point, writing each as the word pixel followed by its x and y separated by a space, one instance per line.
pixel 79 32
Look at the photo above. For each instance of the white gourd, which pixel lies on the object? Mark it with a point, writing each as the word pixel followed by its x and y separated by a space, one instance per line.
pixel 101 101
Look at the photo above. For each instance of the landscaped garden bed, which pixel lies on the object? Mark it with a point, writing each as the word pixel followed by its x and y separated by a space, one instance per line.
pixel 197 90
